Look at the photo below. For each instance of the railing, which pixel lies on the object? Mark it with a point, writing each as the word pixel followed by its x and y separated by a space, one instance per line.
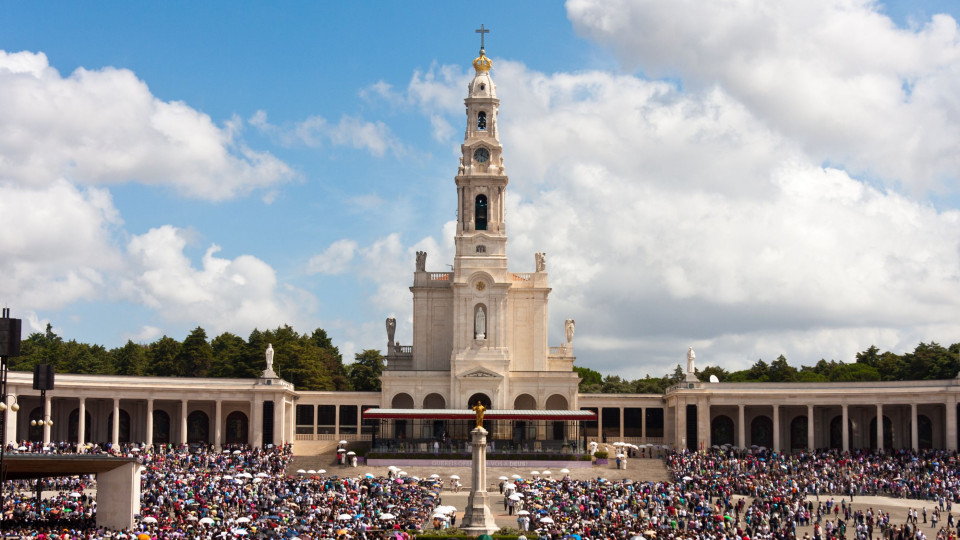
pixel 403 349
pixel 332 437
pixel 522 277
pixel 560 351
pixel 440 276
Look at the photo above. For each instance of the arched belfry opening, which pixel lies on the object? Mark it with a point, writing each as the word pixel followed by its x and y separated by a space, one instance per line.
pixel 481 121
pixel 480 213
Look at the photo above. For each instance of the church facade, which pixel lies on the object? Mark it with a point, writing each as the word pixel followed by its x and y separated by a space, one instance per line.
pixel 480 336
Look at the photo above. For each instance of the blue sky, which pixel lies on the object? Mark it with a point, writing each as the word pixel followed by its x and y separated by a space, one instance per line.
pixel 748 182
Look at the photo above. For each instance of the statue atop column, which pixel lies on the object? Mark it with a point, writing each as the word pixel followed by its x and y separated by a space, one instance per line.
pixel 541 261
pixel 269 373
pixel 568 327
pixel 691 369
pixel 421 261
pixel 479 409
pixel 391 329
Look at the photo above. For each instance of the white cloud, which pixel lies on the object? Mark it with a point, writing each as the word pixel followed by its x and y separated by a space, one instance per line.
pixel 99 127
pixel 223 294
pixel 836 76
pixel 374 137
pixel 55 241
pixel 334 260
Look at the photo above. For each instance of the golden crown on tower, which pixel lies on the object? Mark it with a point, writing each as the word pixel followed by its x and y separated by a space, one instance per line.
pixel 482 63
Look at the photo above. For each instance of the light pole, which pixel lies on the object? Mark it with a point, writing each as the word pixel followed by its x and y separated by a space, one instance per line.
pixel 42 380
pixel 9 346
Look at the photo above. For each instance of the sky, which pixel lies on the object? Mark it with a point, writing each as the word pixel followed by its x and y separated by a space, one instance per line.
pixel 746 178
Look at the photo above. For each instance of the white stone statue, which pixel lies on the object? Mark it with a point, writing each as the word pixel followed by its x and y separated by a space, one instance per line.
pixel 269 373
pixel 691 356
pixel 541 260
pixel 421 261
pixel 391 329
pixel 568 326
pixel 480 325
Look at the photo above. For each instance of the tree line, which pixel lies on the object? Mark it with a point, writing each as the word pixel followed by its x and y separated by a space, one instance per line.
pixel 309 361
pixel 926 362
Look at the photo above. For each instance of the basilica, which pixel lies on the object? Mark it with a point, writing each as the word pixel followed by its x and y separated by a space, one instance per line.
pixel 480 337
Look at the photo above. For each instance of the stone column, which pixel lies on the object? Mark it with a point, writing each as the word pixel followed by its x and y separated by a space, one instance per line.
pixel 115 429
pixel 279 415
pixel 622 432
pixel 217 430
pixel 811 432
pixel 11 418
pixel 149 434
pixel 844 430
pixel 256 429
pixel 336 422
pixel 879 433
pixel 82 426
pixel 914 434
pixel 643 424
pixel 703 424
pixel 776 428
pixel 741 428
pixel 681 432
pixel 183 421
pixel 47 415
pixel 600 424
pixel 951 420
pixel 477 518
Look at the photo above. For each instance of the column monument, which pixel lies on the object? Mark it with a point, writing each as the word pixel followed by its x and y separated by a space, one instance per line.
pixel 477 518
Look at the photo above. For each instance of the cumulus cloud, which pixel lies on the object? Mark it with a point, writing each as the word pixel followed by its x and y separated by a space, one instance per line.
pixel 56 244
pixel 223 294
pixel 334 260
pixel 686 217
pixel 837 76
pixel 101 127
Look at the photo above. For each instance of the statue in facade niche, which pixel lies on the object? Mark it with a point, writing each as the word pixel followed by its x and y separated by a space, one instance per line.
pixel 480 324
pixel 421 261
pixel 568 326
pixel 391 329
pixel 541 260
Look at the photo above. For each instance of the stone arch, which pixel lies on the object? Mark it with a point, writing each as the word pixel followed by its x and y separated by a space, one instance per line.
pixel 556 402
pixel 761 431
pixel 73 425
pixel 482 398
pixel 402 401
pixel 434 401
pixel 887 433
pixel 161 427
pixel 525 402
pixel 198 428
pixel 798 433
pixel 34 433
pixel 924 432
pixel 123 435
pixel 836 431
pixel 482 120
pixel 480 213
pixel 238 428
pixel 721 430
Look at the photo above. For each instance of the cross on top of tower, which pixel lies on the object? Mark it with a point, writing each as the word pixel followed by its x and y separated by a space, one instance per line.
pixel 482 31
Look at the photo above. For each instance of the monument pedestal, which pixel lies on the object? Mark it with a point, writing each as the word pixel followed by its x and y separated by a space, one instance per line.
pixel 477 517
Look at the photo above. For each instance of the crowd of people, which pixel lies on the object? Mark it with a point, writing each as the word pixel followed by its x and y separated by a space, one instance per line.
pixel 190 492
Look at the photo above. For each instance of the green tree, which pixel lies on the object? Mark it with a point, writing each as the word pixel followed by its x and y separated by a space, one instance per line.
pixel 163 357
pixel 720 373
pixel 195 356
pixel 364 372
pixel 781 371
pixel 588 377
pixel 131 359
pixel 228 350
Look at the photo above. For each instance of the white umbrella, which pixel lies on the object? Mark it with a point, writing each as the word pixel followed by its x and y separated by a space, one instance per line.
pixel 206 521
pixel 516 497
pixel 343 442
pixel 311 471
pixel 263 475
pixel 245 475
pixel 503 478
pixel 434 475
pixel 547 473
pixel 344 517
pixel 455 477
pixel 75 494
pixel 516 476
pixel 351 453
pixel 564 471
pixel 394 468
pixel 239 532
pixel 243 520
pixel 322 471
pixel 523 513
pixel 257 480
pixel 227 477
pixel 535 473
pixel 387 516
pixel 402 473
pixel 301 471
pixel 546 519
pixel 236 452
pixel 342 450
pixel 149 519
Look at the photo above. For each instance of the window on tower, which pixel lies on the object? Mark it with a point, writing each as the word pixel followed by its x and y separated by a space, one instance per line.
pixel 481 249
pixel 481 120
pixel 480 214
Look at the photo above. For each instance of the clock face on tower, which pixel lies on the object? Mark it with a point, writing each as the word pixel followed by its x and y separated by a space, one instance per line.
pixel 481 155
